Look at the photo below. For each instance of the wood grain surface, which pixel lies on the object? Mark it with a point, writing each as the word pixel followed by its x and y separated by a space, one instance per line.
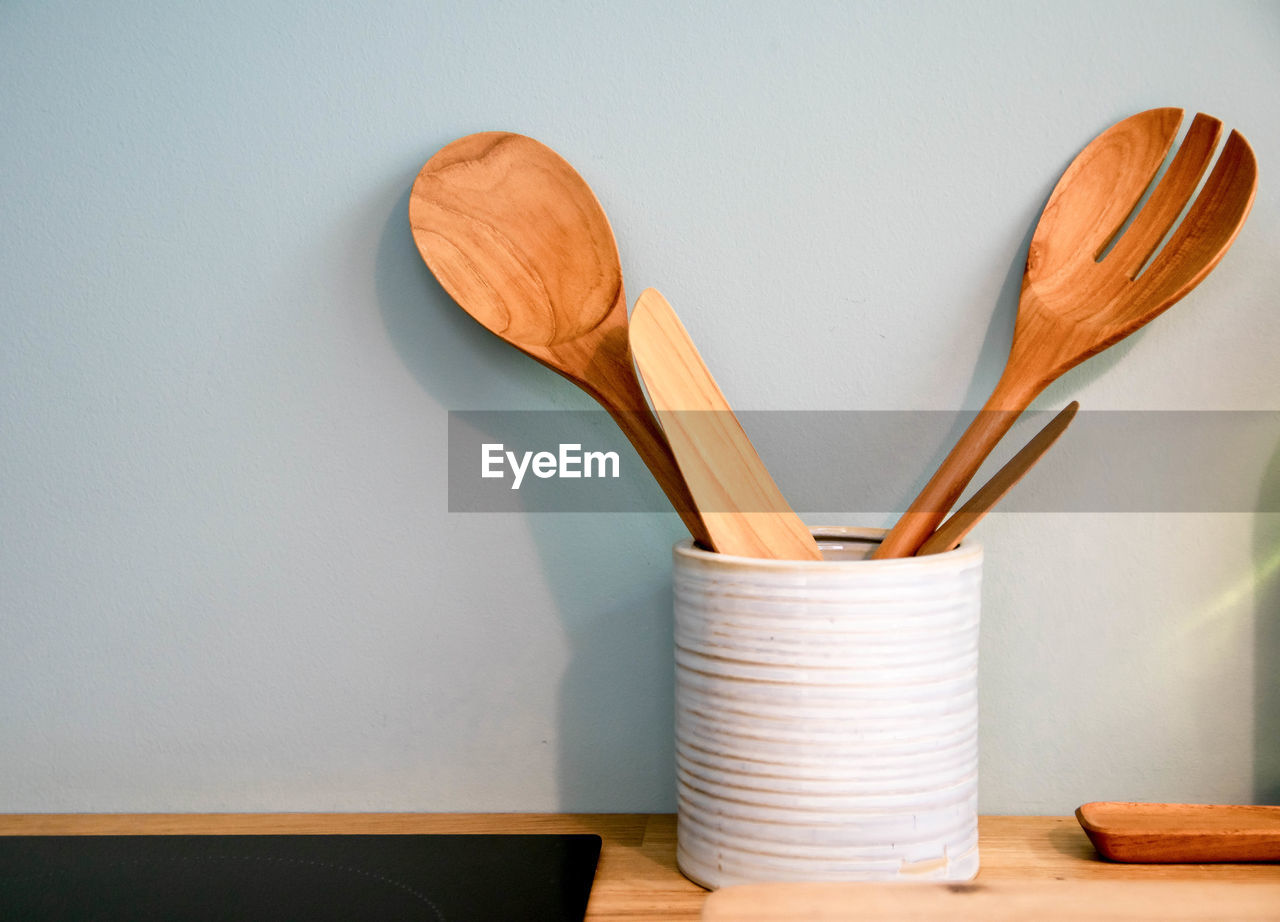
pixel 519 240
pixel 999 901
pixel 1162 833
pixel 637 878
pixel 951 532
pixel 744 511
pixel 1078 296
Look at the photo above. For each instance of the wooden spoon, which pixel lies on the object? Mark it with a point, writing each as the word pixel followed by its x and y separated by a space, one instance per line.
pixel 1078 299
pixel 741 506
pixel 519 240
pixel 1182 833
pixel 952 532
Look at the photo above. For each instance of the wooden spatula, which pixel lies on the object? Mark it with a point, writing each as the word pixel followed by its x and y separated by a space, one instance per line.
pixel 742 508
pixel 1182 833
pixel 999 901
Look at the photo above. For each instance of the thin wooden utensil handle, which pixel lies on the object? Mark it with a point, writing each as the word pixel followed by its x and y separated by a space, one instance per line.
pixel 646 436
pixel 931 506
pixel 952 532
pixel 627 406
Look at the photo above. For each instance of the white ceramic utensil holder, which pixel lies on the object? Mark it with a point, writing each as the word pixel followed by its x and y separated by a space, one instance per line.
pixel 827 714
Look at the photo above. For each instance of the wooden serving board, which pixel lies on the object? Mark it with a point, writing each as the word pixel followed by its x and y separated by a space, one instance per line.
pixel 999 901
pixel 1181 833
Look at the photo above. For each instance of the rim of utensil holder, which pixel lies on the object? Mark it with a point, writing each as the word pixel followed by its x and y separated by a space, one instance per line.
pixel 870 537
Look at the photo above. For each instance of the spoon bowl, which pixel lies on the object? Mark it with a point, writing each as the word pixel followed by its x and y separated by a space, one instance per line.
pixel 519 240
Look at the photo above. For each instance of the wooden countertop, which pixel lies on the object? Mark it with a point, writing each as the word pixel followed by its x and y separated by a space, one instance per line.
pixel 637 877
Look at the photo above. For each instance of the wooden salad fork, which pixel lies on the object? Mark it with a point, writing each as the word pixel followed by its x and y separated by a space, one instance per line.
pixel 1079 297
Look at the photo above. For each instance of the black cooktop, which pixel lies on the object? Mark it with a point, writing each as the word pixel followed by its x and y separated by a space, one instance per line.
pixel 388 878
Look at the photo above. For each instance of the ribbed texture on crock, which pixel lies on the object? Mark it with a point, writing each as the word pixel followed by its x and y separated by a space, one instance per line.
pixel 827 718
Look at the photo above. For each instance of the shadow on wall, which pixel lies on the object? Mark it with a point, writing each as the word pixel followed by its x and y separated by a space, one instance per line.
pixel 610 574
pixel 1266 668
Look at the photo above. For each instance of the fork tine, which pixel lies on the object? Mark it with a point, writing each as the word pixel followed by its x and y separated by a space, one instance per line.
pixel 1171 195
pixel 1210 227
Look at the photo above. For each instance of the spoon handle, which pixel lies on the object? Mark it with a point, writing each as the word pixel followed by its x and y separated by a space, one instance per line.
pixel 646 436
pixel 949 535
pixel 927 510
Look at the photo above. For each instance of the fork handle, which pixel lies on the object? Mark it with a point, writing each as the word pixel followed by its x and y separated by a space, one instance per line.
pixel 926 512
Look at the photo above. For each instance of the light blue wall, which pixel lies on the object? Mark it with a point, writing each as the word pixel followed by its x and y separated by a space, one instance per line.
pixel 228 579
